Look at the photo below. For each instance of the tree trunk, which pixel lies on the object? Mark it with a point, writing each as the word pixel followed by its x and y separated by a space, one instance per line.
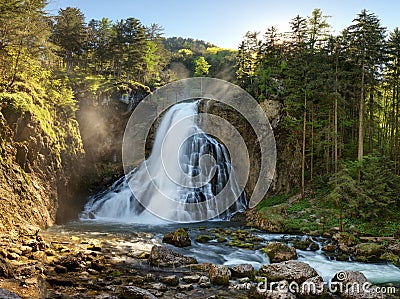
pixel 361 124
pixel 303 157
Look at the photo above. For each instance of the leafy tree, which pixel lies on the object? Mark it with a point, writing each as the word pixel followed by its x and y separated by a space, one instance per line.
pixel 201 67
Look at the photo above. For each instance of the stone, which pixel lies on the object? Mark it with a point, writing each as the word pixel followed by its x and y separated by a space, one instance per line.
pixel 279 252
pixel 219 274
pixel 185 287
pixel 178 238
pixel 243 270
pixel 289 270
pixel 12 256
pixel 302 244
pixel 159 287
pixel 165 257
pixel 191 278
pixel 132 292
pixel 314 246
pixel 6 294
pixel 349 285
pixel 329 248
pixel 204 238
pixel 70 262
pixel 60 269
pixel 171 280
pixel 94 247
pixel 6 270
pixel 368 250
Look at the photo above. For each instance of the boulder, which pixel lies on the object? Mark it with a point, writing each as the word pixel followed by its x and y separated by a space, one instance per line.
pixel 219 274
pixel 243 270
pixel 165 257
pixel 289 270
pixel 171 280
pixel 367 251
pixel 279 252
pixel 204 238
pixel 191 278
pixel 6 294
pixel 178 238
pixel 132 292
pixel 353 285
pixel 329 248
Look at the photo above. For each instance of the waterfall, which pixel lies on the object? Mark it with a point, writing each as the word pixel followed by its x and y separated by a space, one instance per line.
pixel 181 179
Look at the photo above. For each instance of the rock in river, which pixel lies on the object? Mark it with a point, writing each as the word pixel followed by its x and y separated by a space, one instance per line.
pixel 178 238
pixel 219 274
pixel 289 270
pixel 279 252
pixel 163 256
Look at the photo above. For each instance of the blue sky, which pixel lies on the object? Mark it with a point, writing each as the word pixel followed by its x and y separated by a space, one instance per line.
pixel 224 22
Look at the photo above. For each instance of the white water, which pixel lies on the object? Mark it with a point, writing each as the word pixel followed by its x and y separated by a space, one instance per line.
pixel 180 180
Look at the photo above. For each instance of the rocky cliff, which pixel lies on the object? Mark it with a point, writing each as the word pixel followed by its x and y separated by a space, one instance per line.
pixel 40 150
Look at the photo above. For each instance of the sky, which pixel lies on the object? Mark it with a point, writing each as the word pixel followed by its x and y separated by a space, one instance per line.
pixel 225 22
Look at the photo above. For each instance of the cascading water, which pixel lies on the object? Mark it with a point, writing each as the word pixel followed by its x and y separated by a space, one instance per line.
pixel 186 166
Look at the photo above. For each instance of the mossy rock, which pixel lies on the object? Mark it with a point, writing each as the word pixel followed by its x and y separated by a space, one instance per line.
pixel 368 250
pixel 204 238
pixel 178 238
pixel 240 244
pixel 302 244
pixel 314 246
pixel 390 257
pixel 279 252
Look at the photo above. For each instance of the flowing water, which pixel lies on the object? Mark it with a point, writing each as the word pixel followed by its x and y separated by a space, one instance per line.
pixel 180 180
pixel 222 253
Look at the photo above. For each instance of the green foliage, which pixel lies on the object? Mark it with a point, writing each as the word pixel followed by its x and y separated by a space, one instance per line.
pixel 272 201
pixel 201 67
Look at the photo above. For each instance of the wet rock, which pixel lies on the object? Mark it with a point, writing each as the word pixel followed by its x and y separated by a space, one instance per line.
pixel 243 270
pixel 72 263
pixel 62 282
pixel 185 287
pixel 159 287
pixel 314 246
pixel 94 247
pixel 178 238
pixel 279 252
pixel 204 282
pixel 6 294
pixel 289 270
pixel 132 292
pixel 163 256
pixel 302 244
pixel 171 280
pixel 204 238
pixel 219 274
pixel 329 248
pixel 191 278
pixel 271 294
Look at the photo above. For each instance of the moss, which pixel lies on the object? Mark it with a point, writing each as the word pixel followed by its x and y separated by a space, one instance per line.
pixel 204 238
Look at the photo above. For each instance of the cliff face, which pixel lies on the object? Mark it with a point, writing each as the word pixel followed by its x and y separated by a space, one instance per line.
pixel 38 163
pixel 288 161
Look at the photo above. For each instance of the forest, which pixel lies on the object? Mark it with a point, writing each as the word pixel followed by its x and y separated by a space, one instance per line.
pixel 339 93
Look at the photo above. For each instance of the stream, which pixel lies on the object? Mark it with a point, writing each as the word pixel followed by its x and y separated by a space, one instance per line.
pixel 221 253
